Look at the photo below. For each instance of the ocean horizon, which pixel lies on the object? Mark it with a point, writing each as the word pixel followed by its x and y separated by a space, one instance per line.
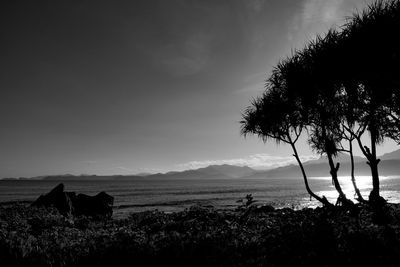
pixel 172 195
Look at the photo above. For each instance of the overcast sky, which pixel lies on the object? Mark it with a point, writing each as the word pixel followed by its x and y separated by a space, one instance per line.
pixel 120 87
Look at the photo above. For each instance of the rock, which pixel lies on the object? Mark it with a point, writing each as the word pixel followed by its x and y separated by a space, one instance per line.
pixel 56 198
pixel 99 205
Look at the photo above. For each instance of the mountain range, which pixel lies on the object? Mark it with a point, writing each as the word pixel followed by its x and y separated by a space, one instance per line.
pixel 210 172
pixel 389 165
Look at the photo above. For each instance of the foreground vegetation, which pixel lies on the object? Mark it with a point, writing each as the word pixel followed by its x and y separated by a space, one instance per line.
pixel 249 236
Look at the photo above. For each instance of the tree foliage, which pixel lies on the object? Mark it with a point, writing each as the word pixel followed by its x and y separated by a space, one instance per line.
pixel 337 88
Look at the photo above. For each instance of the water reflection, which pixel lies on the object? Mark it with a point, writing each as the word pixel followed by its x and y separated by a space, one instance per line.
pixel 390 187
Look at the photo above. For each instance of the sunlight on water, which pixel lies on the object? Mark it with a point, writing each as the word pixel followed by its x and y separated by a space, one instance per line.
pixel 177 194
pixel 389 187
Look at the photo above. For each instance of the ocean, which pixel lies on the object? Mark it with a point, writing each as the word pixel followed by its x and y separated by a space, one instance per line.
pixel 169 195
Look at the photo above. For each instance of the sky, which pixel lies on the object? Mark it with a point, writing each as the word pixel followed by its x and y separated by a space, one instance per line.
pixel 123 87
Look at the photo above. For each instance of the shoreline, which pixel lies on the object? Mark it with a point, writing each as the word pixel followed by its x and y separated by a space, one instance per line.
pixel 123 211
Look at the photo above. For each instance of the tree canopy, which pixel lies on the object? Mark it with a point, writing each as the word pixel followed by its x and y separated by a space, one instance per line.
pixel 336 89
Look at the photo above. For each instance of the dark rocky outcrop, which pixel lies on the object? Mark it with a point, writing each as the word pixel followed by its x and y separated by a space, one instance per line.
pixel 99 205
pixel 56 198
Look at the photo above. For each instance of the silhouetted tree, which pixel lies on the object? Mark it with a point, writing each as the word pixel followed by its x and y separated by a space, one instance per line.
pixel 370 53
pixel 340 86
pixel 324 112
pixel 275 116
pixel 349 129
pixel 362 62
pixel 302 77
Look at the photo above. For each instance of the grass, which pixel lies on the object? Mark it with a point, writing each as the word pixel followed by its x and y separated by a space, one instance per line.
pixel 249 236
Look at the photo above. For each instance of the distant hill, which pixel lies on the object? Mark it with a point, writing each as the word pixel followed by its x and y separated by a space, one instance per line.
pixel 389 165
pixel 210 172
pixel 340 158
pixel 392 155
pixel 228 170
pixel 87 177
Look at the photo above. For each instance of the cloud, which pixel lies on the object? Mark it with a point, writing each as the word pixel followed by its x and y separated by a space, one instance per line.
pixel 255 5
pixel 257 161
pixel 89 162
pixel 255 88
pixel 254 83
pixel 317 11
pixel 187 57
pixel 122 168
pixel 316 16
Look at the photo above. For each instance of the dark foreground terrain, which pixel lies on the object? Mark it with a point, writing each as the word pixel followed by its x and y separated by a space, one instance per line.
pixel 199 236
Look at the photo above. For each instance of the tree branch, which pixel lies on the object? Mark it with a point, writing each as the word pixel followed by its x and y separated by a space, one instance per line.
pixel 337 166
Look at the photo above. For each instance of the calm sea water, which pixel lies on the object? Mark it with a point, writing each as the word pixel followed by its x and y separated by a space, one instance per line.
pixel 174 195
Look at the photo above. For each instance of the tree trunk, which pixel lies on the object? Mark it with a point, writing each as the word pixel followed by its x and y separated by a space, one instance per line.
pixel 373 164
pixel 372 161
pixel 333 169
pixel 322 199
pixel 375 194
pixel 353 178
pixel 333 172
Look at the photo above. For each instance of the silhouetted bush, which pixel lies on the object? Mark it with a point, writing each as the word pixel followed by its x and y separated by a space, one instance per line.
pixel 201 237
